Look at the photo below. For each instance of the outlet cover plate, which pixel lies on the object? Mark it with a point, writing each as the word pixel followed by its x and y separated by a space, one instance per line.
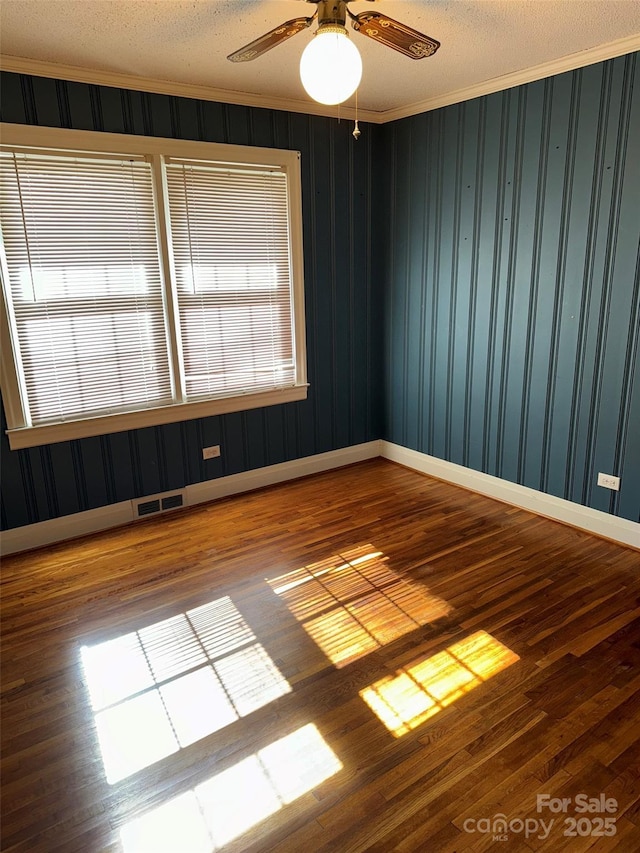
pixel 609 481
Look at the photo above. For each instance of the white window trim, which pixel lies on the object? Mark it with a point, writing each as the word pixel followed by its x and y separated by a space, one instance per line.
pixel 20 435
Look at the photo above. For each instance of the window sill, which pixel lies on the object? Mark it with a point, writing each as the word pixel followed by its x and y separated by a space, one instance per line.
pixel 51 433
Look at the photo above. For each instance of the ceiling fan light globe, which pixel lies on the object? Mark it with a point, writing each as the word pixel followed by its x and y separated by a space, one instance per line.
pixel 330 66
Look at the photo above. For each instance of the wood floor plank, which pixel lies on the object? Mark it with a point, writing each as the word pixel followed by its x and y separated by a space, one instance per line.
pixel 362 660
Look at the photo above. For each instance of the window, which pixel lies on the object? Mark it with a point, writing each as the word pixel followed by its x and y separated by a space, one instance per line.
pixel 145 281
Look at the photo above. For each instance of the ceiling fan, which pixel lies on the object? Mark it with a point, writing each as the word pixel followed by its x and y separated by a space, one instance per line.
pixel 338 64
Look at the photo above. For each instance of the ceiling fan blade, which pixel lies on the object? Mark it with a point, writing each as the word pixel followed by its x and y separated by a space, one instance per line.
pixel 271 39
pixel 399 36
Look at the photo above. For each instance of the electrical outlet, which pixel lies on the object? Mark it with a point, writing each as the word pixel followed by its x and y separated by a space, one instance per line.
pixel 211 452
pixel 609 481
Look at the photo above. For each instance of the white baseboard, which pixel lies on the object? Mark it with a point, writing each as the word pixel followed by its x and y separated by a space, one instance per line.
pixel 91 521
pixel 210 490
pixel 66 527
pixel 79 524
pixel 592 520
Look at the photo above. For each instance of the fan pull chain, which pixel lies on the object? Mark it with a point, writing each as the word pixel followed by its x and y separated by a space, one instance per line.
pixel 356 129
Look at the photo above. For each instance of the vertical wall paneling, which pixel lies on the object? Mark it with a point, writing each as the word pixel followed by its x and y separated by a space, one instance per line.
pixel 295 134
pixel 617 308
pixel 93 472
pixel 330 289
pixel 431 268
pixel 627 450
pixel 522 361
pixel 63 476
pixel 403 241
pixel 454 123
pixel 377 247
pixel 510 357
pixel 314 261
pixel 396 298
pixel 472 238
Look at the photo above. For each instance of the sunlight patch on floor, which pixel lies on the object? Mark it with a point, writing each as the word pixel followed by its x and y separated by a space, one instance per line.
pixel 418 692
pixel 354 603
pixel 227 805
pixel 159 689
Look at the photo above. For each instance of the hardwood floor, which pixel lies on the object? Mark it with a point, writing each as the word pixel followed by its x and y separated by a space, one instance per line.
pixel 366 659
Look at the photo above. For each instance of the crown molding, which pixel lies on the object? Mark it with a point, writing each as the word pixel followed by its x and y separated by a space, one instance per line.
pixel 76 74
pixel 610 50
pixel 54 70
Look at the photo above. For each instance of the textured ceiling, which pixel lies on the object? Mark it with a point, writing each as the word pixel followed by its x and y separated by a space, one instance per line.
pixel 178 42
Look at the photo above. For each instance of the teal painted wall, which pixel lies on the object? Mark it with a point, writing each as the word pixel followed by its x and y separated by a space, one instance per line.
pixel 512 284
pixel 342 311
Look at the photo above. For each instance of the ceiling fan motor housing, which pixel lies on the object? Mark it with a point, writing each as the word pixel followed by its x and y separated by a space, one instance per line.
pixel 332 12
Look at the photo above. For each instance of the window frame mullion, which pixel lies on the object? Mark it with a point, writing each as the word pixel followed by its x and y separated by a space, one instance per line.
pixel 169 286
pixel 16 405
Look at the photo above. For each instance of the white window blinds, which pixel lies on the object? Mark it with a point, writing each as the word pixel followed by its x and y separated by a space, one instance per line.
pixel 86 294
pixel 230 239
pixel 145 281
